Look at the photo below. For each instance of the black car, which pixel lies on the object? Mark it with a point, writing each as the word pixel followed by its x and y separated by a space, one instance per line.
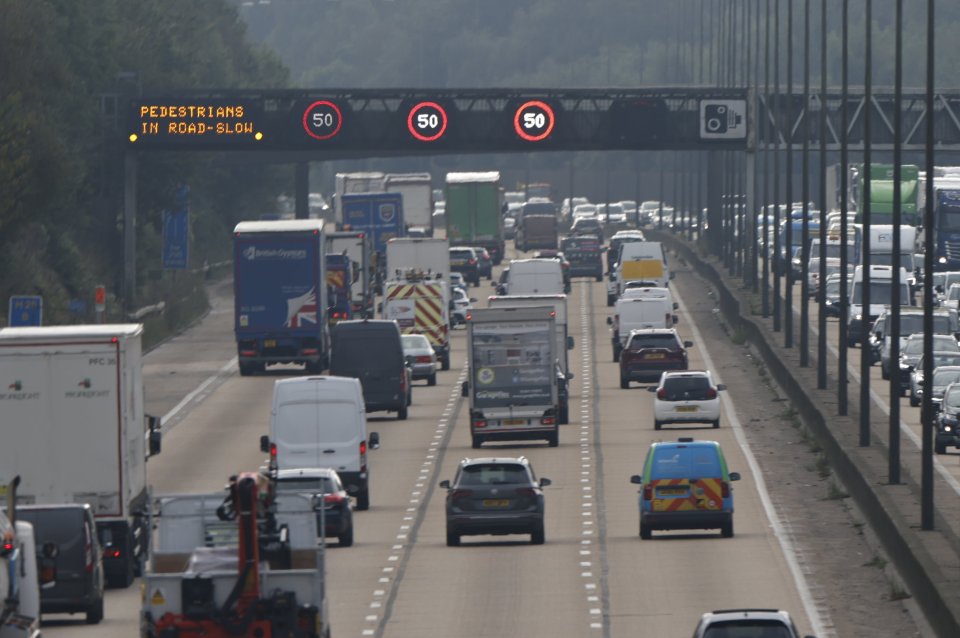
pixel 371 350
pixel 465 260
pixel 584 255
pixel 495 495
pixel 948 421
pixel 333 506
pixel 71 571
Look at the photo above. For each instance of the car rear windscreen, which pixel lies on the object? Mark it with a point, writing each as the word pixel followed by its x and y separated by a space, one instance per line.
pixel 653 341
pixel 363 352
pixel 494 474
pixel 690 388
pixel 685 462
pixel 748 628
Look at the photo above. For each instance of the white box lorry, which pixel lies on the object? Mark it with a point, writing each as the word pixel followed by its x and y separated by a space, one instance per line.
pixel 417 198
pixel 512 382
pixel 422 254
pixel 75 430
pixel 564 340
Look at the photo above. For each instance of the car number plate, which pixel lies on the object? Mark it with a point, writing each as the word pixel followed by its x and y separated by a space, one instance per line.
pixel 514 421
pixel 658 355
pixel 496 502
pixel 686 408
pixel 671 491
pixel 269 343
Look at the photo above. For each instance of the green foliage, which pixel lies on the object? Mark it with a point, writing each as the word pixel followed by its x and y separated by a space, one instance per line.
pixel 67 67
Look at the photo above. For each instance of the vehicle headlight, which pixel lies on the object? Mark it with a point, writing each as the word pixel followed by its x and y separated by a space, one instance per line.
pixel 947 428
pixel 858 318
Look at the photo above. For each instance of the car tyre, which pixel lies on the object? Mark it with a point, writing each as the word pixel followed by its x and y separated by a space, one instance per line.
pixel 346 538
pixel 624 382
pixel 564 415
pixel 726 530
pixel 610 300
pixel 95 612
pixel 884 373
pixel 599 277
pixel 616 353
pixel 453 539
pixel 246 369
pixel 537 536
pixel 402 412
pixel 445 362
pixel 940 448
pixel 716 423
pixel 363 502
pixel 553 439
pixel 645 532
pixel 432 379
pixel 475 442
pixel 913 401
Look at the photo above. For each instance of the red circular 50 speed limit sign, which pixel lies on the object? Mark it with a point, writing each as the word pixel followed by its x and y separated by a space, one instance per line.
pixel 427 121
pixel 322 120
pixel 534 121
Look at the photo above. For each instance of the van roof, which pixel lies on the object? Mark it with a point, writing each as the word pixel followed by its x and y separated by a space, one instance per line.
pixel 72 332
pixel 279 226
pixel 330 381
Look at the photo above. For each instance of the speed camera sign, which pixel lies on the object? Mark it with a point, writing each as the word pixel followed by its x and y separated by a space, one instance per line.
pixel 723 119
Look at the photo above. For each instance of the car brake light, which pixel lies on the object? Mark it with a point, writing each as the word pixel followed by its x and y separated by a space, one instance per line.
pixel 111 552
pixel 479 423
pixel 273 451
pixel 461 494
pixel 309 352
pixel 526 491
pixel 662 393
pixel 648 492
pixel 363 456
pixel 332 499
pixel 711 393
pixel 724 489
pixel 248 353
pixel 471 261
pixel 548 420
pixel 423 359
pixel 7 548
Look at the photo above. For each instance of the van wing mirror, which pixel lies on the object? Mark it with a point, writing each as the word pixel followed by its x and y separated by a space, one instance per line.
pixel 265 443
pixel 374 440
pixel 445 484
pixel 687 344
pixel 721 387
pixel 153 434
pixel 676 306
pixel 734 476
pixel 636 479
pixel 569 343
pixel 609 321
pixel 544 482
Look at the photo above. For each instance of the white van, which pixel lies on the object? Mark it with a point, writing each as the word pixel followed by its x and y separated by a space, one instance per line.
pixel 655 310
pixel 642 260
pixel 881 281
pixel 320 421
pixel 535 277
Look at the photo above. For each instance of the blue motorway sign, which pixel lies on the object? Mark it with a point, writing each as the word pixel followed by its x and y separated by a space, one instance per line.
pixel 25 310
pixel 176 232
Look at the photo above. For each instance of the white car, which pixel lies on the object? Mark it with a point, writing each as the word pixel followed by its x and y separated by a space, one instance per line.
pixel 686 396
pixel 462 304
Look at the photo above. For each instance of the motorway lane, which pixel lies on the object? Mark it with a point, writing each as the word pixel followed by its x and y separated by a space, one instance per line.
pixel 594 575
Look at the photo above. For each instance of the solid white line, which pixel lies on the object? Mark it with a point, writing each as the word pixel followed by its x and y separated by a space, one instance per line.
pixel 200 388
pixel 786 542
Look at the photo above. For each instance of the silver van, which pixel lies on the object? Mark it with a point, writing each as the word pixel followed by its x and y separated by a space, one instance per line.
pixel 320 422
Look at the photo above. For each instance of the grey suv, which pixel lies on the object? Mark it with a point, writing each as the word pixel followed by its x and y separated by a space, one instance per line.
pixel 495 495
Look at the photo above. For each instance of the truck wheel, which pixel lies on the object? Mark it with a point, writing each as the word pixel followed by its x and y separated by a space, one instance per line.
pixel 553 439
pixel 885 373
pixel 565 415
pixel 624 382
pixel 913 401
pixel 600 277
pixel 432 379
pixel 246 369
pixel 610 300
pixel 475 442
pixel 445 362
pixel 453 539
pixel 363 500
pixel 657 424
pixel 95 612
pixel 716 423
pixel 402 412
pixel 616 354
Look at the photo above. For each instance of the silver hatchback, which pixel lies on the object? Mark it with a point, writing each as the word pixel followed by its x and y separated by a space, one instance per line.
pixel 420 357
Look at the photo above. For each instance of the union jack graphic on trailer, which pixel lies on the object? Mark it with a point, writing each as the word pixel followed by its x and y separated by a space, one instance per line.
pixel 302 310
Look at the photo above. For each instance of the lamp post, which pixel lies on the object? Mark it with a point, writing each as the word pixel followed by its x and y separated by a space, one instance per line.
pixel 926 451
pixel 865 295
pixel 893 460
pixel 777 117
pixel 765 208
pixel 844 301
pixel 822 288
pixel 805 245
pixel 788 228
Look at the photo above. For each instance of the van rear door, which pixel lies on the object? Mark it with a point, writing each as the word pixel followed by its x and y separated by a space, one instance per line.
pixel 374 358
pixel 78 552
pixel 321 432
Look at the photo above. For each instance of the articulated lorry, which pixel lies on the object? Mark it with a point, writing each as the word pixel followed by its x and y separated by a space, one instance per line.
pixel 512 386
pixel 74 430
pixel 417 198
pixel 351 183
pixel 243 563
pixel 357 246
pixel 280 294
pixel 473 212
pixel 881 194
